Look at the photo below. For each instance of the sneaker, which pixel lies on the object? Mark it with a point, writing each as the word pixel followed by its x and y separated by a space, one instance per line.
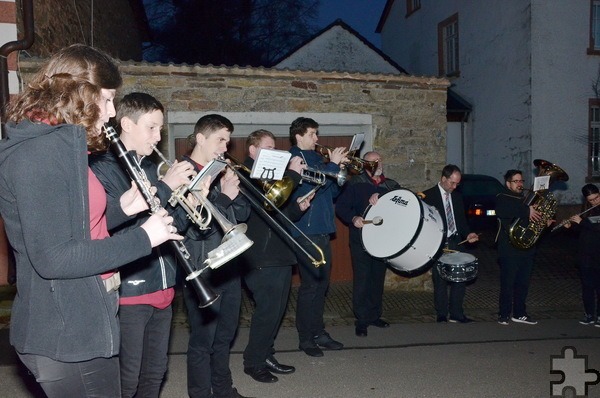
pixel 597 323
pixel 324 340
pixel 503 320
pixel 588 320
pixel 525 319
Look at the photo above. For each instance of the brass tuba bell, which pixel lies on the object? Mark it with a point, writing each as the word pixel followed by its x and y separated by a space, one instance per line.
pixel 523 233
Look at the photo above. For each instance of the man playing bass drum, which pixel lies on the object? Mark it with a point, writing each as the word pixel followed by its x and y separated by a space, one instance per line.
pixel 369 272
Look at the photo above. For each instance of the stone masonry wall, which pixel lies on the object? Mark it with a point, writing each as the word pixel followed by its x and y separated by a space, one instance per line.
pixel 409 113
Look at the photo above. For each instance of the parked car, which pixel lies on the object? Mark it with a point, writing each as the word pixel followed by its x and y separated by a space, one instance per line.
pixel 479 195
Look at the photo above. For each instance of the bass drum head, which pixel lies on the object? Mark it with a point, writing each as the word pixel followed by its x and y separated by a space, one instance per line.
pixel 411 235
pixel 401 213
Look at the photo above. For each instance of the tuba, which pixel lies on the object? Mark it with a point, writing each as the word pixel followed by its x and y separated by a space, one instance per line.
pixel 523 233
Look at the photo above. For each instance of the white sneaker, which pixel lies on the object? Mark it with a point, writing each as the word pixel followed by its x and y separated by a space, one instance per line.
pixel 525 319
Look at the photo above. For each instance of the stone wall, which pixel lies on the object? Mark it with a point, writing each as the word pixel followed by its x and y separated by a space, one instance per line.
pixel 59 23
pixel 409 113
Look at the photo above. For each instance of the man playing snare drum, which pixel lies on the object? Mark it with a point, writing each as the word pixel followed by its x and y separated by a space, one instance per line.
pixel 450 205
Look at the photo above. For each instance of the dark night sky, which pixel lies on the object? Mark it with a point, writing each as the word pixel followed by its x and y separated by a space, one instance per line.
pixel 361 15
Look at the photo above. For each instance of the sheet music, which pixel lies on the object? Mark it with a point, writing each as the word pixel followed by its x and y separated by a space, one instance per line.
pixel 357 141
pixel 212 170
pixel 270 164
pixel 542 182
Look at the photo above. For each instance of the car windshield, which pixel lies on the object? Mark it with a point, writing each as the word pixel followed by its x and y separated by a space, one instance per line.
pixel 480 187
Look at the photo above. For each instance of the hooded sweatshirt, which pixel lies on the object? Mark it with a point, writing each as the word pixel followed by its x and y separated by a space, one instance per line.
pixel 62 309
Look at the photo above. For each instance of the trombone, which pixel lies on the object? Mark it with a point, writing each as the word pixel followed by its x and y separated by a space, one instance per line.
pixel 271 221
pixel 234 241
pixel 277 192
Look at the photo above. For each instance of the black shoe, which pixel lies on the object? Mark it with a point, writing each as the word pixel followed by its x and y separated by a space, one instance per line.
pixel 262 375
pixel 361 331
pixel 233 394
pixel 276 367
pixel 310 349
pixel 380 323
pixel 324 340
pixel 464 319
pixel 441 318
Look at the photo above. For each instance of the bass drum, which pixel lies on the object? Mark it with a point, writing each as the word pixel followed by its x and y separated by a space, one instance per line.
pixel 411 234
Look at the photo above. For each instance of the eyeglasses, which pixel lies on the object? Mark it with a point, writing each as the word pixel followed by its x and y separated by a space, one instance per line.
pixel 517 181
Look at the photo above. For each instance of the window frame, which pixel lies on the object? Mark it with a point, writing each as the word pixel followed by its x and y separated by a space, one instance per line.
pixel 443 48
pixel 592 49
pixel 593 143
pixel 412 6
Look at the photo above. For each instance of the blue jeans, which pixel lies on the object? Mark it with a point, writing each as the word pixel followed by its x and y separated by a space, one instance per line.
pixel 98 377
pixel 145 332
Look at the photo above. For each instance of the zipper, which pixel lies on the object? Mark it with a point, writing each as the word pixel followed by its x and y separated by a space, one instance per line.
pixel 163 271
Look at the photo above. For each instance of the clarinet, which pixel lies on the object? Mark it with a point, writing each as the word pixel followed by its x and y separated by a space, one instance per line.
pixel 205 294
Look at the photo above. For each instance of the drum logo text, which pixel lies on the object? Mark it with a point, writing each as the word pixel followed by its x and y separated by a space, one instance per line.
pixel 399 201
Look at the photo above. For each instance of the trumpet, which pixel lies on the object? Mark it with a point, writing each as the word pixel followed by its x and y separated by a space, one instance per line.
pixel 271 221
pixel 206 296
pixel 318 177
pixel 354 164
pixel 234 241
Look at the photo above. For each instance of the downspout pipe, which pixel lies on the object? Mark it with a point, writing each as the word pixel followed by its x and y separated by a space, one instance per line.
pixel 8 48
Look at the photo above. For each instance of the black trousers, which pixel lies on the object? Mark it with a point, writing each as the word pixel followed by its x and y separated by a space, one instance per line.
pixel 212 330
pixel 270 287
pixel 515 276
pixel 450 301
pixel 589 273
pixel 367 285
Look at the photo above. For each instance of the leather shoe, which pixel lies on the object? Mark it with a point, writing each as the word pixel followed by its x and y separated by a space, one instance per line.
pixel 310 349
pixel 262 375
pixel 461 320
pixel 324 340
pixel 441 318
pixel 361 331
pixel 380 323
pixel 274 366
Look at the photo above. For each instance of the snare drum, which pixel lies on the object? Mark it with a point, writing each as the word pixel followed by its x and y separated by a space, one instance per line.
pixel 411 234
pixel 457 267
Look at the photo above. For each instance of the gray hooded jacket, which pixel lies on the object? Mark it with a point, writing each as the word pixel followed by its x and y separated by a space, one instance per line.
pixel 62 309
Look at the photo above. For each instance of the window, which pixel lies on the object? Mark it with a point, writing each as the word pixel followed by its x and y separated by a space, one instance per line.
pixel 412 6
pixel 594 139
pixel 594 47
pixel 448 47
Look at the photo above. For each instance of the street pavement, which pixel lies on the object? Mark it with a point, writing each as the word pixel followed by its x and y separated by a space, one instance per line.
pixel 415 357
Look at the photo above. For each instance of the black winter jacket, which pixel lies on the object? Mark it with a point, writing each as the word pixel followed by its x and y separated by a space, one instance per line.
pixel 270 249
pixel 156 271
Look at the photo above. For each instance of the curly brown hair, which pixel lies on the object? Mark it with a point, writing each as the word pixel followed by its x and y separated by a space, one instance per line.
pixel 67 89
